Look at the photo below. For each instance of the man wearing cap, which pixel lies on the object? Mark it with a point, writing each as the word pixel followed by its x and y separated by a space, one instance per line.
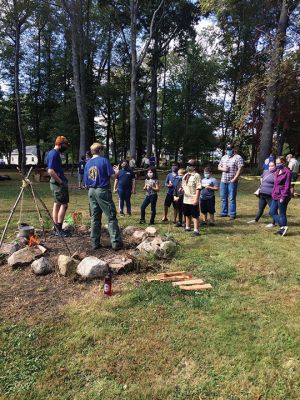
pixel 191 185
pixel 58 184
pixel 97 175
pixel 231 166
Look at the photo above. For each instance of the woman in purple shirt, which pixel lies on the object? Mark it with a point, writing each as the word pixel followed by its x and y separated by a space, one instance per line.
pixel 281 195
pixel 265 193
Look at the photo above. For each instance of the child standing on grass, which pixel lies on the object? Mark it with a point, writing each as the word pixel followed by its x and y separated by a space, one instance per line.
pixel 152 188
pixel 125 186
pixel 191 184
pixel 178 196
pixel 207 197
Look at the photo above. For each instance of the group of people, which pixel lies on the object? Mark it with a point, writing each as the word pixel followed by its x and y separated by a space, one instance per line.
pixel 187 192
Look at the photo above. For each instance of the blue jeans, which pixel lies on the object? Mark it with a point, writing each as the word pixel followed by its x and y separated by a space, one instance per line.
pixel 124 196
pixel 228 189
pixel 151 199
pixel 276 206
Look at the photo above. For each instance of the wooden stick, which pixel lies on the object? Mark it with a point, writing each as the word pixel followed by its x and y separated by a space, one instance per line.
pixel 196 287
pixel 189 282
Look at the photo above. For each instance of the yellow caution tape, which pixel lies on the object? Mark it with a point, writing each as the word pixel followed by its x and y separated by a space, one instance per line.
pixel 252 178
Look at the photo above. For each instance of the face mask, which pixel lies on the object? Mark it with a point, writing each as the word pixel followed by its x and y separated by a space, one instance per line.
pixel 189 168
pixel 272 169
pixel 279 166
pixel 63 148
pixel 229 152
pixel 206 175
pixel 150 175
pixel 175 170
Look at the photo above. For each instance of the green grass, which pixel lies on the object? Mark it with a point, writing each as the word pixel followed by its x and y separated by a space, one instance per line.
pixel 152 341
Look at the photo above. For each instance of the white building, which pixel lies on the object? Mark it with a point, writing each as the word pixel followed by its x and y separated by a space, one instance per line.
pixel 31 156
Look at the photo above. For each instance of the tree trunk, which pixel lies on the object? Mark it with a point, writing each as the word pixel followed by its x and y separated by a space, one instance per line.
pixel 108 130
pixel 133 15
pixel 36 102
pixel 22 154
pixel 271 96
pixel 160 139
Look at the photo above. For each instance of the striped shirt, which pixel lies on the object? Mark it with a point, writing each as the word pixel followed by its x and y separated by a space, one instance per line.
pixel 233 164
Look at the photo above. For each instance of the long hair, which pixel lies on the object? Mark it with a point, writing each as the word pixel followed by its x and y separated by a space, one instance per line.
pixel 154 172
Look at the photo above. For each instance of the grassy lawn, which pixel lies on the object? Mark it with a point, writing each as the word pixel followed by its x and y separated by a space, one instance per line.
pixel 152 341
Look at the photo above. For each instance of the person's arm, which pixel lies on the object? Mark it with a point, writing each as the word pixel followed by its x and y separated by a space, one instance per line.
pixel 198 190
pixel 286 192
pixel 133 186
pixel 156 186
pixel 221 166
pixel 53 175
pixel 116 184
pixel 239 171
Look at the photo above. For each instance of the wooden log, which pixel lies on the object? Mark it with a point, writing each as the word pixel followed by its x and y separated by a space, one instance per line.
pixel 173 278
pixel 196 287
pixel 189 282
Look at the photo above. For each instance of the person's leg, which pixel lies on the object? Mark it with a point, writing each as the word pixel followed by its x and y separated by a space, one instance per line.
pixel 212 218
pixel 96 214
pixel 196 215
pixel 128 201
pixel 262 202
pixel 61 213
pixel 144 205
pixel 180 210
pixel 232 190
pixel 121 201
pixel 282 207
pixel 153 200
pixel 55 211
pixel 105 201
pixel 167 205
pixel 273 212
pixel 175 212
pixel 269 202
pixel 224 198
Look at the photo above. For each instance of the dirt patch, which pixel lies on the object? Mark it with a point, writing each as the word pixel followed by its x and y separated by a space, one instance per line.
pixel 25 296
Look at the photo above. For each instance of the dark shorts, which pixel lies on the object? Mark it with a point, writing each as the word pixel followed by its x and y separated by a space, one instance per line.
pixel 169 200
pixel 60 193
pixel 294 176
pixel 190 210
pixel 208 205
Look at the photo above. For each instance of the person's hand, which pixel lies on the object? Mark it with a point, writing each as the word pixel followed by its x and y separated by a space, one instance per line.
pixel 281 200
pixel 176 198
pixel 116 168
pixel 196 203
pixel 233 180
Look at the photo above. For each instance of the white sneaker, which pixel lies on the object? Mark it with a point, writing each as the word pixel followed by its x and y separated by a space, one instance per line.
pixel 269 226
pixel 252 222
pixel 284 230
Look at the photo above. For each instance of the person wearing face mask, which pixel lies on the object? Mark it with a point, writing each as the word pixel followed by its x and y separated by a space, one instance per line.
pixel 178 196
pixel 191 185
pixel 207 197
pixel 231 166
pixel 58 184
pixel 281 195
pixel 152 188
pixel 169 200
pixel 125 186
pixel 97 174
pixel 265 193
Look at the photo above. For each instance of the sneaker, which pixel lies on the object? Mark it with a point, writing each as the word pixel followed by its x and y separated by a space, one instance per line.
pixel 196 233
pixel 62 233
pixel 122 214
pixel 284 230
pixel 179 225
pixel 187 229
pixel 142 221
pixel 151 223
pixel 278 232
pixel 223 215
pixel 128 214
pixel 232 217
pixel 174 222
pixel 203 223
pixel 253 221
pixel 269 226
pixel 97 247
pixel 164 220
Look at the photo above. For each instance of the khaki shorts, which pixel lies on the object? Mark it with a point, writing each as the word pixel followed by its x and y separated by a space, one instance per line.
pixel 60 193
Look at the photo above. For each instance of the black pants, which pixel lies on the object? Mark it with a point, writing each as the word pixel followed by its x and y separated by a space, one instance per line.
pixel 264 199
pixel 151 199
pixel 178 205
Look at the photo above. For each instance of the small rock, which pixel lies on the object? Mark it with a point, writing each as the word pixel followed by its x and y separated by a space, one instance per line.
pixel 168 248
pixel 92 268
pixel 129 230
pixel 139 234
pixel 66 265
pixel 83 228
pixel 68 227
pixel 24 257
pixel 151 231
pixel 120 264
pixel 9 248
pixel 42 266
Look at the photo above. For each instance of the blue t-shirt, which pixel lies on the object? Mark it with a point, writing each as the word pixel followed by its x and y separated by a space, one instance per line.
pixel 170 178
pixel 97 172
pixel 152 160
pixel 125 178
pixel 206 194
pixel 54 162
pixel 81 166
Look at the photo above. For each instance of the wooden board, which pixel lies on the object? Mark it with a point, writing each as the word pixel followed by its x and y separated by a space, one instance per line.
pixel 173 278
pixel 189 282
pixel 196 287
pixel 171 273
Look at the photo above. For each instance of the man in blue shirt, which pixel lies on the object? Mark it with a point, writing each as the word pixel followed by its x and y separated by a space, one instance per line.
pixel 58 184
pixel 125 186
pixel 169 200
pixel 97 173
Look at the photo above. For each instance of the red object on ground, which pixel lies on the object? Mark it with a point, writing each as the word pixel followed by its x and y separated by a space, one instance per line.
pixel 107 285
pixel 75 215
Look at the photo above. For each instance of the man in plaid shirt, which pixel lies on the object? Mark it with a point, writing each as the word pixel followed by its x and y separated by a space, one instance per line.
pixel 231 166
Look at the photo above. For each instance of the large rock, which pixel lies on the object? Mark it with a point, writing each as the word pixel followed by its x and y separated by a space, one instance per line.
pixel 129 230
pixel 67 265
pixel 42 266
pixel 92 268
pixel 24 256
pixel 151 231
pixel 157 247
pixel 139 234
pixel 120 264
pixel 9 248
